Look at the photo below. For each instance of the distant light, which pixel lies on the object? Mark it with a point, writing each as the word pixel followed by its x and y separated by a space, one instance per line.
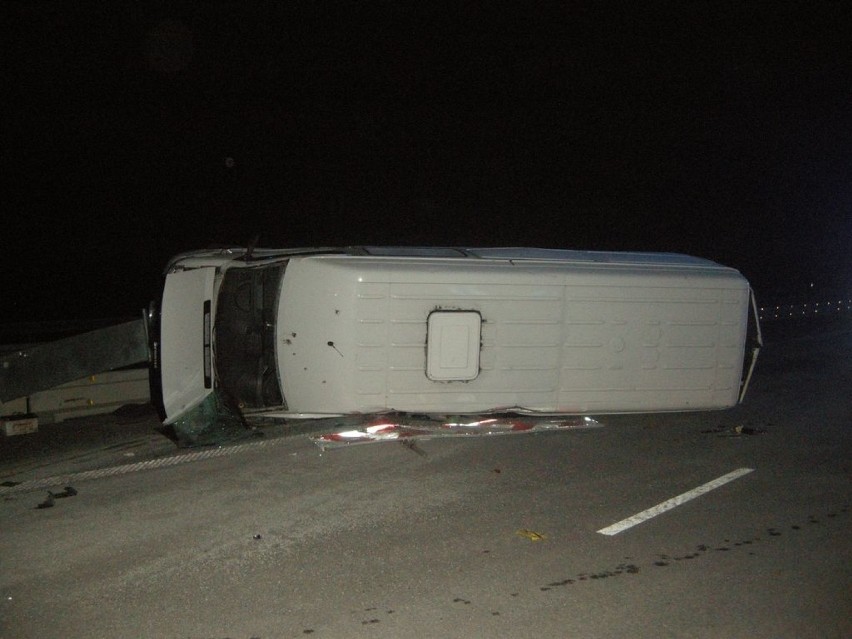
pixel 229 162
pixel 169 47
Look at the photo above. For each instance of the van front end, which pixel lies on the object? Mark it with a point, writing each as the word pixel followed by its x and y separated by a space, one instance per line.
pixel 212 345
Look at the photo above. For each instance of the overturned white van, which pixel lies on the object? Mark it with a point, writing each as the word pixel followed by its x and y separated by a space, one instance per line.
pixel 327 331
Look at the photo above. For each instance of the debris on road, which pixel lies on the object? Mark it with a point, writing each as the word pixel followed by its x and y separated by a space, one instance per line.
pixel 530 534
pixel 404 428
pixel 215 421
pixel 736 431
pixel 50 502
pixel 413 447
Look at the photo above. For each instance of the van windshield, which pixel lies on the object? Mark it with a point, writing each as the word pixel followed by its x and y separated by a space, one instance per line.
pixel 245 336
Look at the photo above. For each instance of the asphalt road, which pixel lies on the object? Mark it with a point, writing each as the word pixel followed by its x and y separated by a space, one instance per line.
pixel 278 539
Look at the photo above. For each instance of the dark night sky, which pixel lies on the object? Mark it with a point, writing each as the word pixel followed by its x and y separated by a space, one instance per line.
pixel 132 131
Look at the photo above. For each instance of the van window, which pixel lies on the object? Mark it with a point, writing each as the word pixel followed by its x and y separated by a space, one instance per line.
pixel 244 342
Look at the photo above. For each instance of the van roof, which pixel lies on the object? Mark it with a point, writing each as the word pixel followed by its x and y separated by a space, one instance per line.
pixel 452 252
pixel 536 254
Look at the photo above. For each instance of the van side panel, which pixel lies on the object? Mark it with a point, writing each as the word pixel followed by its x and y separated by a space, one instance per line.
pixel 521 337
pixel 555 337
pixel 653 348
pixel 317 340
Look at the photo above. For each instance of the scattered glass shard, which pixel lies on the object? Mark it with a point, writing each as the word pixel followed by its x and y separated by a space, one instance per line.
pixel 214 421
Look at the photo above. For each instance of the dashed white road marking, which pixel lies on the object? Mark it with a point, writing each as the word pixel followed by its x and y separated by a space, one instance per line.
pixel 645 515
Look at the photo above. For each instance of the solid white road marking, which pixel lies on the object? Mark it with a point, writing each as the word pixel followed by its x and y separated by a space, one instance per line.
pixel 160 462
pixel 645 515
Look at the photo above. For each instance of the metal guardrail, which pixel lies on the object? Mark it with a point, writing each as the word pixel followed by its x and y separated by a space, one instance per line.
pixel 53 363
pixel 32 333
pixel 90 395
